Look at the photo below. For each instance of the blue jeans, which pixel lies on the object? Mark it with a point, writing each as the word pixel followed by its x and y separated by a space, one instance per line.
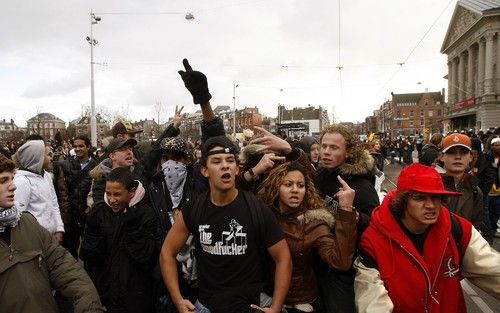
pixel 265 301
pixel 200 308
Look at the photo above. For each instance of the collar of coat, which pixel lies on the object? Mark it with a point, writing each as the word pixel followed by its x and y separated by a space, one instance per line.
pixel 361 164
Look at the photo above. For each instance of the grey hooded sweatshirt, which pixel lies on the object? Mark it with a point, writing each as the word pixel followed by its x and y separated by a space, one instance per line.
pixel 35 191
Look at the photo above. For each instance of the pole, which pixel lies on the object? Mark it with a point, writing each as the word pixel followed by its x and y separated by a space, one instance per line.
pixel 234 110
pixel 93 122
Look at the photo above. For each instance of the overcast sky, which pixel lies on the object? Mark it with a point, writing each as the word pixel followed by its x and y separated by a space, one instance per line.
pixel 277 51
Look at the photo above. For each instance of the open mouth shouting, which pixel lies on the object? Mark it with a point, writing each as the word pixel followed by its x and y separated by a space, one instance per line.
pixel 226 178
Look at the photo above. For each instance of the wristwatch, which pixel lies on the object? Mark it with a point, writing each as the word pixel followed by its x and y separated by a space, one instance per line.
pixel 252 173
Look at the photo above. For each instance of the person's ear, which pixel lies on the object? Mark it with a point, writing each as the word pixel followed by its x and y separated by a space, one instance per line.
pixel 131 192
pixel 440 156
pixel 204 171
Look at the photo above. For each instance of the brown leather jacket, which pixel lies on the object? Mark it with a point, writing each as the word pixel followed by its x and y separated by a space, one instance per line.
pixel 311 232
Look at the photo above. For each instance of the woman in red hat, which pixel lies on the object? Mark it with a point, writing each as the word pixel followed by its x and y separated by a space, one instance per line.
pixel 415 252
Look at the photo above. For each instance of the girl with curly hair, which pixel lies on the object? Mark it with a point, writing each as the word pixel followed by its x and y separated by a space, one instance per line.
pixel 310 228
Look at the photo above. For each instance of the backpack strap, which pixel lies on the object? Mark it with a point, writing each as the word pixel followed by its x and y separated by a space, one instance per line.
pixel 256 214
pixel 457 233
pixel 197 210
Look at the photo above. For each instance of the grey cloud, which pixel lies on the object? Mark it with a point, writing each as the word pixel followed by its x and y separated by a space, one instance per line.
pixel 61 86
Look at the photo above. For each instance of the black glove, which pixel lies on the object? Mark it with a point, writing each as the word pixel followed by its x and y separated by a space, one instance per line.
pixel 196 83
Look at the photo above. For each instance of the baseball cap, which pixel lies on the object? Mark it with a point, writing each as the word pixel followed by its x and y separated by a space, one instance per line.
pixel 174 144
pixel 117 143
pixel 454 140
pixel 124 128
pixel 495 140
pixel 424 179
pixel 219 141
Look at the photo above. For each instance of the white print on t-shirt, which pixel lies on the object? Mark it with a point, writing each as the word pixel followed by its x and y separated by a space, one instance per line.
pixel 234 241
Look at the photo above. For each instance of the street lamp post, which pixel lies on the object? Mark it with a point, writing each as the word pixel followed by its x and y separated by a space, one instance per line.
pixel 234 109
pixel 93 122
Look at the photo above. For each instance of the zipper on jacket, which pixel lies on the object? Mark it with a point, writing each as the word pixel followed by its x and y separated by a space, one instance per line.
pixel 439 269
pixel 429 291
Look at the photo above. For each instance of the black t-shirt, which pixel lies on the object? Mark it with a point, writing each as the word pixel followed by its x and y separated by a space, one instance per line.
pixel 231 258
pixel 417 239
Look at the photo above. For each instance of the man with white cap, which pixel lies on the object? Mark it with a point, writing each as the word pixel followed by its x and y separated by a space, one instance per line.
pixel 456 157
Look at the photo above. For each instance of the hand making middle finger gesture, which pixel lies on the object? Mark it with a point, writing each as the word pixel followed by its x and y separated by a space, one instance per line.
pixel 345 195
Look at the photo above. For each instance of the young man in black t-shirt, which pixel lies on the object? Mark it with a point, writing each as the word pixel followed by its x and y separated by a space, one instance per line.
pixel 231 240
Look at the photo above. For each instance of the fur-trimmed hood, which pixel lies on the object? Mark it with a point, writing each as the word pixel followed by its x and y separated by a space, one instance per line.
pixel 317 214
pixel 101 170
pixel 360 164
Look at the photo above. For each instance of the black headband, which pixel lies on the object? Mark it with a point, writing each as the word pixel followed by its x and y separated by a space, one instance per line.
pixel 221 151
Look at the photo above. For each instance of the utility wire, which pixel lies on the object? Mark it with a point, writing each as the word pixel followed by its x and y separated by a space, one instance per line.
pixel 141 13
pixel 415 48
pixel 428 30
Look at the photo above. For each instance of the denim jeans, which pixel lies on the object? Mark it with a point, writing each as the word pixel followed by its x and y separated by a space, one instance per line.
pixel 265 301
pixel 200 308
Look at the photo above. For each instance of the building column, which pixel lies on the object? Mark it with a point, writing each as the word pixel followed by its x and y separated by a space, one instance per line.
pixel 461 77
pixel 480 69
pixel 455 80
pixel 450 82
pixel 497 74
pixel 488 67
pixel 470 72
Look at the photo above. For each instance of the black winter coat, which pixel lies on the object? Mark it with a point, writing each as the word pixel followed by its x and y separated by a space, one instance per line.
pixel 337 288
pixel 119 251
pixel 78 182
pixel 485 172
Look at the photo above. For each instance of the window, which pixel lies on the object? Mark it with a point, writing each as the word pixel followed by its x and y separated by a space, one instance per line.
pixel 421 113
pixel 431 113
pixel 411 113
pixel 398 123
pixel 439 112
pixel 411 123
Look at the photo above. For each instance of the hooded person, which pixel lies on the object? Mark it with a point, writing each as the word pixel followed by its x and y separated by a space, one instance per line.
pixel 35 189
pixel 415 252
pixel 310 145
pixel 430 151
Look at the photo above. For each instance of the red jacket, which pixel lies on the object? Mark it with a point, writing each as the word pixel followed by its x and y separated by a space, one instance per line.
pixel 416 283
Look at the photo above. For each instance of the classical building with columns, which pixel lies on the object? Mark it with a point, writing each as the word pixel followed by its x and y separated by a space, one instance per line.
pixel 472 44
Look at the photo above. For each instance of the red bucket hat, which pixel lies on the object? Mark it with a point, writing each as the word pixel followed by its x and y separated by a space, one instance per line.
pixel 424 179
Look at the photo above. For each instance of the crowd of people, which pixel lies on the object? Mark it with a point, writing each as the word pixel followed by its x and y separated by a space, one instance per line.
pixel 278 225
